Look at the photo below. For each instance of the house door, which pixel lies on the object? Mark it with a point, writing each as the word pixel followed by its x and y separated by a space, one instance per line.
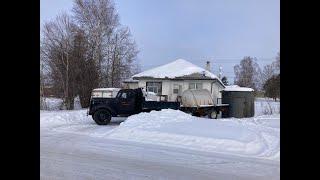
pixel 176 92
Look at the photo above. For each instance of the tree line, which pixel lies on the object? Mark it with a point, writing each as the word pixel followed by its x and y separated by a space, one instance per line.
pixel 86 49
pixel 249 74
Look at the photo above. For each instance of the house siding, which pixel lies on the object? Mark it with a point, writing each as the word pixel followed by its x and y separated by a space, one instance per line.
pixel 167 87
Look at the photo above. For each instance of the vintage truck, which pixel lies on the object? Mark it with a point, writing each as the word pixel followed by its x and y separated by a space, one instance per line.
pixel 133 101
pixel 127 102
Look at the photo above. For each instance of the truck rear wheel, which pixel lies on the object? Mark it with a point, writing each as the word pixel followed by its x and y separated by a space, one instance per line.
pixel 102 117
pixel 213 114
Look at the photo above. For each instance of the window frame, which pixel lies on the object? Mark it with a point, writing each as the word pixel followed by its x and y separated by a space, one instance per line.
pixel 155 86
pixel 176 87
pixel 195 85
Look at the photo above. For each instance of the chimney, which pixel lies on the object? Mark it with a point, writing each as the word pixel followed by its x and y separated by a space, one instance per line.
pixel 208 66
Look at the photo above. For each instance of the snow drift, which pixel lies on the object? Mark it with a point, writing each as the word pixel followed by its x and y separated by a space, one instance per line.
pixel 257 137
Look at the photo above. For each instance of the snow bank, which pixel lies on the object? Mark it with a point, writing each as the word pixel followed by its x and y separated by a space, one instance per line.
pixel 254 137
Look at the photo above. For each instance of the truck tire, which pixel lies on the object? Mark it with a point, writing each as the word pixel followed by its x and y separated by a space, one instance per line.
pixel 102 117
pixel 213 114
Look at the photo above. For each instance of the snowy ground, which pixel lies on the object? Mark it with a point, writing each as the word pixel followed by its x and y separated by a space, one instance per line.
pixel 266 106
pixel 165 144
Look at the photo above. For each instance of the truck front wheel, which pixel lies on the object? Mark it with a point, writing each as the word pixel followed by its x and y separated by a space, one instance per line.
pixel 102 117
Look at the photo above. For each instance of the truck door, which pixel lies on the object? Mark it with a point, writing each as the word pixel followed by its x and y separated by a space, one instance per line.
pixel 126 102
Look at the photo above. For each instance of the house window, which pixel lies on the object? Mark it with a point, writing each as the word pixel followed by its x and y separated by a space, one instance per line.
pixel 176 88
pixel 155 87
pixel 195 85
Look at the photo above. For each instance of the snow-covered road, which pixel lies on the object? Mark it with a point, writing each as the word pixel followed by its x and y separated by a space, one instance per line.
pixel 74 156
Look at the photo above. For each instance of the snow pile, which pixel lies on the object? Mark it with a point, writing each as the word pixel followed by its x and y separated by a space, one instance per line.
pixel 60 118
pixel 53 103
pixel 76 122
pixel 76 103
pixel 253 137
pixel 177 68
pixel 237 88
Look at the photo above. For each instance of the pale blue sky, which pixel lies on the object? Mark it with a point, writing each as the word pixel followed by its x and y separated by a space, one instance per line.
pixel 222 31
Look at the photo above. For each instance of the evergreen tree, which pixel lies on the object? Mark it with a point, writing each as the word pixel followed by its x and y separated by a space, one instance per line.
pixel 225 81
pixel 272 87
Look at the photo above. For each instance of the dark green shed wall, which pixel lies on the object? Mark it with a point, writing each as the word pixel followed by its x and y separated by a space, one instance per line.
pixel 241 103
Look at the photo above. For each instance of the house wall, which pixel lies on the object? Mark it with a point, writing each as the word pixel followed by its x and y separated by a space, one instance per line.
pixel 167 87
pixel 133 85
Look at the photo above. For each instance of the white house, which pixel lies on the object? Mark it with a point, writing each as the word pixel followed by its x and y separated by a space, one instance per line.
pixel 170 80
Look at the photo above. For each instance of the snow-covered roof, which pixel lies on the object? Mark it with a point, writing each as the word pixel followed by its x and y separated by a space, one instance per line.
pixel 237 88
pixel 177 68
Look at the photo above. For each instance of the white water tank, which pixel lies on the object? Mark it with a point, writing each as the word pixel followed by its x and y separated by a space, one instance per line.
pixel 196 98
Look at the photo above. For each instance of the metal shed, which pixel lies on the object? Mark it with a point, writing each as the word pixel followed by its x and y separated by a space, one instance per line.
pixel 240 100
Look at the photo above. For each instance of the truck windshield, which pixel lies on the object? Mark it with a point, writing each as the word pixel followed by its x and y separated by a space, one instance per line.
pixel 124 95
pixel 119 94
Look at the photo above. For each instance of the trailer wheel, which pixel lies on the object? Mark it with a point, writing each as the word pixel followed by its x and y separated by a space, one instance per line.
pixel 102 117
pixel 213 114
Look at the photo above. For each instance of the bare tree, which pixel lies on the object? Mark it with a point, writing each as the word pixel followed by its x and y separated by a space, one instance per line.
pixel 57 48
pixel 111 45
pixel 268 71
pixel 87 50
pixel 277 63
pixel 86 71
pixel 42 79
pixel 271 69
pixel 247 74
pixel 98 19
pixel 122 57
